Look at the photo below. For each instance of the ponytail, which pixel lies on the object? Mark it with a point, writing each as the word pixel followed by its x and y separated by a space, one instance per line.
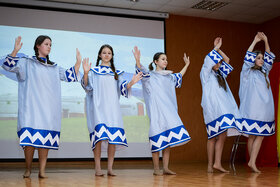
pixel 151 68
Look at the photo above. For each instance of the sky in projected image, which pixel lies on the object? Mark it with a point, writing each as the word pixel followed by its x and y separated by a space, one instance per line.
pixel 64 44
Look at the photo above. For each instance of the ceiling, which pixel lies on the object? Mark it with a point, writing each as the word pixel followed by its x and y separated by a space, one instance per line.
pixel 251 11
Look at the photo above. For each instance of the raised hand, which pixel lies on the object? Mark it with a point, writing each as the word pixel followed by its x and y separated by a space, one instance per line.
pixel 217 43
pixel 258 37
pixel 136 53
pixel 186 59
pixel 78 60
pixel 262 36
pixel 86 65
pixel 136 77
pixel 17 47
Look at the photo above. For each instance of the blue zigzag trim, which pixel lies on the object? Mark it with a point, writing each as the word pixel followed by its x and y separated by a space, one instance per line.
pixel 114 135
pixel 215 56
pixel 104 70
pixel 145 75
pixel 11 61
pixel 178 77
pixel 260 128
pixel 39 138
pixel 225 69
pixel 221 124
pixel 70 75
pixel 250 57
pixel 169 138
pixel 269 58
pixel 123 89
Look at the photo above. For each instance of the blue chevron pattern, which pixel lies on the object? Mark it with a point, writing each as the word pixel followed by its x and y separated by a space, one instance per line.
pixel 215 56
pixel 114 135
pixel 250 57
pixel 178 78
pixel 39 138
pixel 260 128
pixel 221 124
pixel 225 69
pixel 11 61
pixel 123 88
pixel 145 75
pixel 70 75
pixel 269 58
pixel 104 70
pixel 169 138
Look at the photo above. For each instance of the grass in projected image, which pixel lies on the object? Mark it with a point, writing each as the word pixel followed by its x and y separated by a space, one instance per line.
pixel 75 129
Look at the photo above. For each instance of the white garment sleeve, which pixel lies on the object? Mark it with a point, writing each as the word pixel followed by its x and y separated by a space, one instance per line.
pixel 16 65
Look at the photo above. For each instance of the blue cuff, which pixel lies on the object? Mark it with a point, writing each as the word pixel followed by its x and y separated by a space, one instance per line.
pixel 250 57
pixel 124 91
pixel 70 75
pixel 215 56
pixel 225 69
pixel 178 79
pixel 269 58
pixel 11 61
pixel 145 74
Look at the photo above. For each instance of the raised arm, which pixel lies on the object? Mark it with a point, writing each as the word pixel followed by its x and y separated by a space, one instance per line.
pixel 137 55
pixel 257 38
pixel 17 47
pixel 78 61
pixel 86 67
pixel 136 77
pixel 187 63
pixel 217 45
pixel 264 38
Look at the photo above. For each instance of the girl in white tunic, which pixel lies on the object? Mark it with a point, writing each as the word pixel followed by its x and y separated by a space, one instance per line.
pixel 39 99
pixel 256 100
pixel 220 110
pixel 104 85
pixel 166 128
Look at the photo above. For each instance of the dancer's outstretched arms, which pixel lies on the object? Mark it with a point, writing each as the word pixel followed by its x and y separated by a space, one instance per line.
pixel 187 63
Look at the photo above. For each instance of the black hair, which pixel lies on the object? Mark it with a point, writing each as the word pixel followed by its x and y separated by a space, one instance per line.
pixel 39 40
pixel 156 57
pixel 111 61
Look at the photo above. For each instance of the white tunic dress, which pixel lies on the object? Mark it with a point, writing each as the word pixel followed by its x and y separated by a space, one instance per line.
pixel 166 127
pixel 103 110
pixel 256 100
pixel 220 110
pixel 39 100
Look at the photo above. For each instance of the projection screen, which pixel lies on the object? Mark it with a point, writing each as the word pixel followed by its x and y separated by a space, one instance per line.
pixel 87 32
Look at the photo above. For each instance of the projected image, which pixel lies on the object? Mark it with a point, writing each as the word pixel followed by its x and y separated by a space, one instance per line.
pixel 64 44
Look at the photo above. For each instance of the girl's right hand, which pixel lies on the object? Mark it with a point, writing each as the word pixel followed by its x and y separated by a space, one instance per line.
pixel 217 43
pixel 258 37
pixel 136 53
pixel 17 47
pixel 86 65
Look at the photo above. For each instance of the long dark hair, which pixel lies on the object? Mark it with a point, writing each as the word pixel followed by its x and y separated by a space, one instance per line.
pixel 39 40
pixel 255 67
pixel 220 78
pixel 156 57
pixel 111 61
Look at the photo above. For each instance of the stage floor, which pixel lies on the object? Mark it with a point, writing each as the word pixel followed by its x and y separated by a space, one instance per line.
pixel 134 174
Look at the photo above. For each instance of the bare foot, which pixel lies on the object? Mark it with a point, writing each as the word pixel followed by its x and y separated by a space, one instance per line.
pixel 220 168
pixel 42 175
pixel 157 172
pixel 27 174
pixel 168 172
pixel 210 169
pixel 99 174
pixel 254 168
pixel 111 174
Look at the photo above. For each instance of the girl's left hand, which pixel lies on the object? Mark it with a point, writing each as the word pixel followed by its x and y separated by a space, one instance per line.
pixel 136 77
pixel 186 59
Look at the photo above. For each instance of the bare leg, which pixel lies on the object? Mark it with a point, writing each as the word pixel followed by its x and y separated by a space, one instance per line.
pixel 210 152
pixel 97 159
pixel 251 140
pixel 156 163
pixel 254 153
pixel 28 153
pixel 218 152
pixel 111 155
pixel 43 156
pixel 166 154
